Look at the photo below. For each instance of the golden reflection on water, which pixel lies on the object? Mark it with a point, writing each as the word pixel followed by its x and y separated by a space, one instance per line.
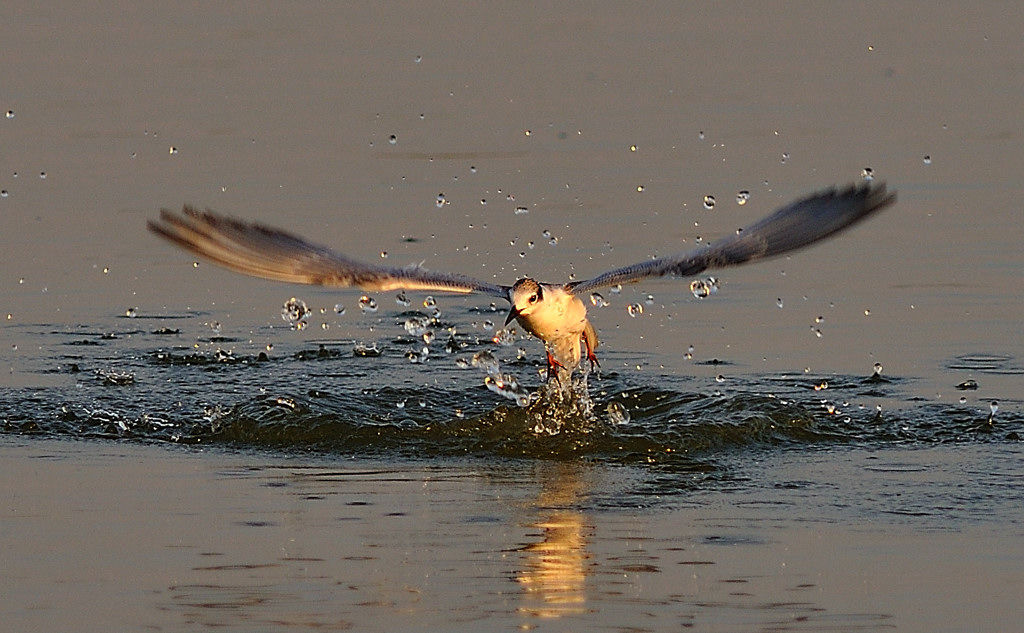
pixel 555 567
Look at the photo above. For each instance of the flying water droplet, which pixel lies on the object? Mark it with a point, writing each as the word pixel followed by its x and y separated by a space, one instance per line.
pixel 634 309
pixel 429 302
pixel 393 139
pixel 367 304
pixel 131 313
pixel 417 325
pixel 441 201
pixel 867 173
pixel 505 337
pixel 295 312
pixel 617 413
pixel 709 202
pixel 927 160
pixel 486 362
pixel 368 350
pixel 339 309
pixel 402 300
pixel 703 288
pixel 597 300
pixel 779 302
pixel 742 197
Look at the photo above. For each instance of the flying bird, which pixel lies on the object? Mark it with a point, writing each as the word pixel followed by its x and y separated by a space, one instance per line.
pixel 554 313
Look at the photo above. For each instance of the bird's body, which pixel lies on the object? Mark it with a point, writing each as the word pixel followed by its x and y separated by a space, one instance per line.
pixel 553 313
pixel 556 316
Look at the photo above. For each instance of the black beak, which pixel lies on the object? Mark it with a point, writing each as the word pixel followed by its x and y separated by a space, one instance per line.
pixel 512 314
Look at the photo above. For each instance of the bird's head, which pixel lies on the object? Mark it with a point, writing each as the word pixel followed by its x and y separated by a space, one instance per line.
pixel 525 296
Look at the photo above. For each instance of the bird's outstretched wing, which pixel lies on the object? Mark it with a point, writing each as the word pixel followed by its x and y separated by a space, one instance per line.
pixel 263 251
pixel 794 226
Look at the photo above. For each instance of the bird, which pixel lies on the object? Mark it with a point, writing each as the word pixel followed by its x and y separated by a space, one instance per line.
pixel 555 313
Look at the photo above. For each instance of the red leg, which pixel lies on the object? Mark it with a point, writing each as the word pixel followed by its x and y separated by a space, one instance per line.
pixel 590 353
pixel 553 367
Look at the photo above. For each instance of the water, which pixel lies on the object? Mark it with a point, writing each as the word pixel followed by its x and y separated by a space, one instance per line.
pixel 174 456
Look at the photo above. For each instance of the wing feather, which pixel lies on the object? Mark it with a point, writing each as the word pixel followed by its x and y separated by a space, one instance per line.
pixel 270 253
pixel 794 226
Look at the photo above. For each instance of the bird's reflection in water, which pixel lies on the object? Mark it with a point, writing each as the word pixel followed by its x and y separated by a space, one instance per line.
pixel 555 567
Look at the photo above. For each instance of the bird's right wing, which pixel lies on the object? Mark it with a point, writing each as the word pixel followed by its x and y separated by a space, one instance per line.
pixel 794 226
pixel 270 253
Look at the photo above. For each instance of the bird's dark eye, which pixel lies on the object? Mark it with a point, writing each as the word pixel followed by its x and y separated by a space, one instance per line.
pixel 533 298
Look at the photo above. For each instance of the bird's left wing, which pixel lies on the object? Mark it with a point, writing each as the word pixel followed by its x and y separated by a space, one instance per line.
pixel 270 253
pixel 794 226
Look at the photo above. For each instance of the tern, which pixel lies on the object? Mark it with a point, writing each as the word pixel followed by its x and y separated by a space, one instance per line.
pixel 554 313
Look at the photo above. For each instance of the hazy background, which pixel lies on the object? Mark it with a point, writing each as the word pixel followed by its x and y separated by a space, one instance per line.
pixel 376 494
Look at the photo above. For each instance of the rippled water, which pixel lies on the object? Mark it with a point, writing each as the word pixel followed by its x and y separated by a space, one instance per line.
pixel 141 378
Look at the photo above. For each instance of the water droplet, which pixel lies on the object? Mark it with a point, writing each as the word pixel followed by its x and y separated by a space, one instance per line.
pixel 131 313
pixel 440 201
pixel 785 157
pixel 719 378
pixel 963 400
pixel 42 175
pixel 367 304
pixel 522 210
pixel 927 160
pixel 505 337
pixel 295 312
pixel 634 309
pixel 877 369
pixel 428 302
pixel 639 188
pixel 10 114
pixel 383 254
pixel 339 309
pixel 689 353
pixel 3 193
pixel 393 140
pixel 649 300
pixel 597 300
pixel 709 202
pixel 616 289
pixel 703 288
pixel 402 300
pixel 366 349
pixel 527 132
pixel 488 325
pixel 617 413
pixel 867 173
pixel 417 325
pixel 700 135
pixel 215 326
pixel 632 148
pixel 418 59
pixel 779 303
pixel 486 361
pixel 742 197
pixel 819 319
pixel 817 332
pixel 173 150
